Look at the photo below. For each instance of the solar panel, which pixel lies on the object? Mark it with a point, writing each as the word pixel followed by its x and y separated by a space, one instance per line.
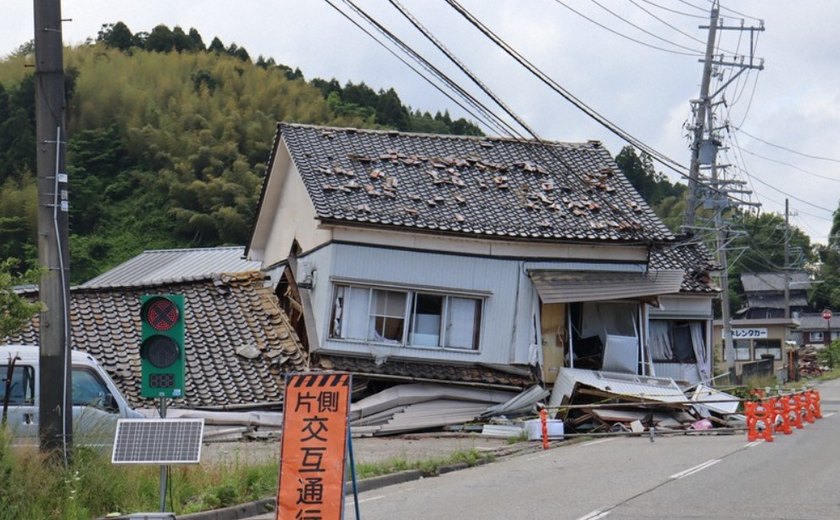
pixel 158 441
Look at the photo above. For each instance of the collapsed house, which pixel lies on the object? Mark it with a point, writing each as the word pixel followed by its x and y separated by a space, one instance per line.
pixel 488 268
pixel 476 261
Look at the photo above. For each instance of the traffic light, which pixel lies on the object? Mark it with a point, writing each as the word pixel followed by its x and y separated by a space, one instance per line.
pixel 162 357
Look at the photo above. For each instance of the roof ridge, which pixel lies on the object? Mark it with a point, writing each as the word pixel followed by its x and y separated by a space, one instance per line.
pixel 592 142
pixel 191 249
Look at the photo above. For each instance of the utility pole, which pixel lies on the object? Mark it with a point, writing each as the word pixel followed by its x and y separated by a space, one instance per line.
pixel 55 426
pixel 787 259
pixel 717 193
pixel 702 107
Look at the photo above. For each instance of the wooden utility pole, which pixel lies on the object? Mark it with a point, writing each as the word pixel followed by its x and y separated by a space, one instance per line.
pixel 55 426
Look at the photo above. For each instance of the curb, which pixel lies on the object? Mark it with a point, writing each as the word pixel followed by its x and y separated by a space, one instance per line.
pixel 267 505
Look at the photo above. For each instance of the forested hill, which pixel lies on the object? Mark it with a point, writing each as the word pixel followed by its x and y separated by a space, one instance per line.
pixel 168 140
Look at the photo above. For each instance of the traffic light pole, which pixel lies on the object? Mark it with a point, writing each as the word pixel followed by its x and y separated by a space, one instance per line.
pixel 162 409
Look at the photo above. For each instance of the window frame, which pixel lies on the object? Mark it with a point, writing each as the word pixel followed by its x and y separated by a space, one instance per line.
pixel 340 290
pixel 776 346
pixel 26 370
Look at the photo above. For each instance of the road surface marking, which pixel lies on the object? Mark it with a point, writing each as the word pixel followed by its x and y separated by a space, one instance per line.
pixel 753 444
pixel 599 441
pixel 595 515
pixel 829 414
pixel 695 469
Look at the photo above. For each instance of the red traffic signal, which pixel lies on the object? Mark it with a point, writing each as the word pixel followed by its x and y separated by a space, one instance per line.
pixel 160 313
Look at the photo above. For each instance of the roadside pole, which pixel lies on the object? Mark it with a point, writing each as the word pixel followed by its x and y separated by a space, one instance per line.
pixel 55 426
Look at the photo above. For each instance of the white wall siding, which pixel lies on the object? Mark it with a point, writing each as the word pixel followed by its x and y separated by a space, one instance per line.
pixel 686 307
pixel 504 337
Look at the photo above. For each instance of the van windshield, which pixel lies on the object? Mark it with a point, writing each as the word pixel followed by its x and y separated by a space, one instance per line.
pixel 90 390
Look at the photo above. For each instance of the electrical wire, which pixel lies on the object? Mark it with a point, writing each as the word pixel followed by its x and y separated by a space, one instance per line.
pixel 545 147
pixel 809 156
pixel 733 11
pixel 682 13
pixel 474 115
pixel 603 121
pixel 789 165
pixel 667 24
pixel 630 38
pixel 499 124
pixel 642 29
pixel 458 63
pixel 689 4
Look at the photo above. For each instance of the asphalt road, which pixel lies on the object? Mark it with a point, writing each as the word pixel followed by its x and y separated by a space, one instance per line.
pixel 720 477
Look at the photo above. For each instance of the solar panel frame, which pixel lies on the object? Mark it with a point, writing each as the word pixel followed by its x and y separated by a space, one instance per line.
pixel 158 441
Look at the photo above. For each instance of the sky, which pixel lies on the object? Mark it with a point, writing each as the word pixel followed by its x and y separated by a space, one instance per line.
pixel 636 62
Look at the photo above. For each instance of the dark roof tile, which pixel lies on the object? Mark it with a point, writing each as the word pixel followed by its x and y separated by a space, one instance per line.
pixel 490 187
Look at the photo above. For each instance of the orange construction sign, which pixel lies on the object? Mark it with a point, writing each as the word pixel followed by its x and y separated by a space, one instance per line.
pixel 312 447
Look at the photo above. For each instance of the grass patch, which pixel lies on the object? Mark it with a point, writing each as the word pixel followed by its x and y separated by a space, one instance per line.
pixel 35 486
pixel 427 466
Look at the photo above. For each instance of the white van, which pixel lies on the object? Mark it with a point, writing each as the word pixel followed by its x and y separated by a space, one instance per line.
pixel 97 403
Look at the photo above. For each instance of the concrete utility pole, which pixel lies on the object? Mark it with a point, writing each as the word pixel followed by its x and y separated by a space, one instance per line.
pixel 703 107
pixel 716 192
pixel 55 426
pixel 787 259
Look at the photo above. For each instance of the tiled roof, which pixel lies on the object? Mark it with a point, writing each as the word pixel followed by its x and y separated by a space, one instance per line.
pixel 773 300
pixel 480 187
pixel 754 282
pixel 238 340
pixel 691 257
pixel 173 266
pixel 439 371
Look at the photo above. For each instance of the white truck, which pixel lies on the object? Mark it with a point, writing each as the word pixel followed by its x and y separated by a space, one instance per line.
pixel 97 402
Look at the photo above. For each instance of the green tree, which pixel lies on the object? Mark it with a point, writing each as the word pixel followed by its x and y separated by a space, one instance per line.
pixel 116 36
pixel 161 39
pixel 15 310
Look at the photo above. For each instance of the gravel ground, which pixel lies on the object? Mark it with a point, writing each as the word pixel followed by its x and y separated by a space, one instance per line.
pixel 366 450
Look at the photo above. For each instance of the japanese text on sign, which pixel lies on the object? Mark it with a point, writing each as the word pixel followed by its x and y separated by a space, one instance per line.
pixel 313 446
pixel 748 333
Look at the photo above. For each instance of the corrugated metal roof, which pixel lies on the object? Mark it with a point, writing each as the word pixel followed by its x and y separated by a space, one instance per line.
pixel 639 387
pixel 173 266
pixel 584 286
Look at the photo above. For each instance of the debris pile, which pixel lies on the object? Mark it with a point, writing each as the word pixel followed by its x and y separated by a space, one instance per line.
pixel 809 362
pixel 599 402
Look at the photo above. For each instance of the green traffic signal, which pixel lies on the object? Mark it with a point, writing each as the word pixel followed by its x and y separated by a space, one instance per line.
pixel 162 359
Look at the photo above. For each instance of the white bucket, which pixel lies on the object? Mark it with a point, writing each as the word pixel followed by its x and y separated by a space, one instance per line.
pixel 534 429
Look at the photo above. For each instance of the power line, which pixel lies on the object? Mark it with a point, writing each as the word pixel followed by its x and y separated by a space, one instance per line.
pixel 568 96
pixel 733 11
pixel 682 13
pixel 692 5
pixel 642 29
pixel 498 123
pixel 818 157
pixel 414 69
pixel 667 24
pixel 803 201
pixel 458 63
pixel 783 163
pixel 630 38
